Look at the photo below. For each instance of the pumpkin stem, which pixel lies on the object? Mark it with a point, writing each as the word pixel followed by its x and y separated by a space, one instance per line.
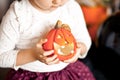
pixel 66 26
pixel 58 24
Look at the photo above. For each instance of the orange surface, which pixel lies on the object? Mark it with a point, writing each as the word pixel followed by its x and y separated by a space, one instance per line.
pixel 94 16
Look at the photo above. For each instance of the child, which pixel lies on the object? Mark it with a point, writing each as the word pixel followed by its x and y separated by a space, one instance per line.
pixel 22 34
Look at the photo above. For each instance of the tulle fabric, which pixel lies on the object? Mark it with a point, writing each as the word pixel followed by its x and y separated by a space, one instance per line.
pixel 74 71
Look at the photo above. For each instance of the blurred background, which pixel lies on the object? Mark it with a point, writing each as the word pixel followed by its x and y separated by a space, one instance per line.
pixel 103 21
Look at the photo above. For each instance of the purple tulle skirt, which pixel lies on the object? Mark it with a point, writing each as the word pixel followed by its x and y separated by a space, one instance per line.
pixel 74 71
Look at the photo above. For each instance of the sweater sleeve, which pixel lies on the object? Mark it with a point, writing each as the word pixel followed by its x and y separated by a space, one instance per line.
pixel 9 35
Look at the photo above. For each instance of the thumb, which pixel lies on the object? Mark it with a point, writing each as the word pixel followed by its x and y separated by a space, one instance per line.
pixel 40 43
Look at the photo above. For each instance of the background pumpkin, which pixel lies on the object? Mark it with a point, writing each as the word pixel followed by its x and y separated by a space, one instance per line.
pixel 94 17
pixel 61 40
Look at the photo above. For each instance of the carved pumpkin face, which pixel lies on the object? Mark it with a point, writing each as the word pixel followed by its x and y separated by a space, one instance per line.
pixel 62 41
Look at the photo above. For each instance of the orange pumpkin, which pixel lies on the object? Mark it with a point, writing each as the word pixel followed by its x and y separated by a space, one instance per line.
pixel 94 16
pixel 62 41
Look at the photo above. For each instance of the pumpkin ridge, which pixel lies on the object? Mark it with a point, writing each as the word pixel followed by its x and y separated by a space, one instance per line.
pixel 48 45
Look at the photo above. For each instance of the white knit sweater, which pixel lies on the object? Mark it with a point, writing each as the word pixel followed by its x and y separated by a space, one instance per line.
pixel 22 26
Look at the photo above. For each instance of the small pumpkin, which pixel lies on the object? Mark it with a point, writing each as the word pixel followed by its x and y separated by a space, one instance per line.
pixel 61 40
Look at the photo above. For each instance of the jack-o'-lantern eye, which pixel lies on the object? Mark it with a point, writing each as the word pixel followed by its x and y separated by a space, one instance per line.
pixel 58 37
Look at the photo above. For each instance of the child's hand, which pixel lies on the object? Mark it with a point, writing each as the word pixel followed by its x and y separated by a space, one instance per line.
pixel 75 58
pixel 46 57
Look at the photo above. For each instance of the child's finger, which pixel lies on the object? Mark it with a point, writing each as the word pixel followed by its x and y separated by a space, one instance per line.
pixel 54 62
pixel 78 44
pixel 48 53
pixel 39 44
pixel 51 58
pixel 39 47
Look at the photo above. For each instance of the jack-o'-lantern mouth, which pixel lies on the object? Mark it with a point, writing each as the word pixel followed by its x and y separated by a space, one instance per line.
pixel 65 49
